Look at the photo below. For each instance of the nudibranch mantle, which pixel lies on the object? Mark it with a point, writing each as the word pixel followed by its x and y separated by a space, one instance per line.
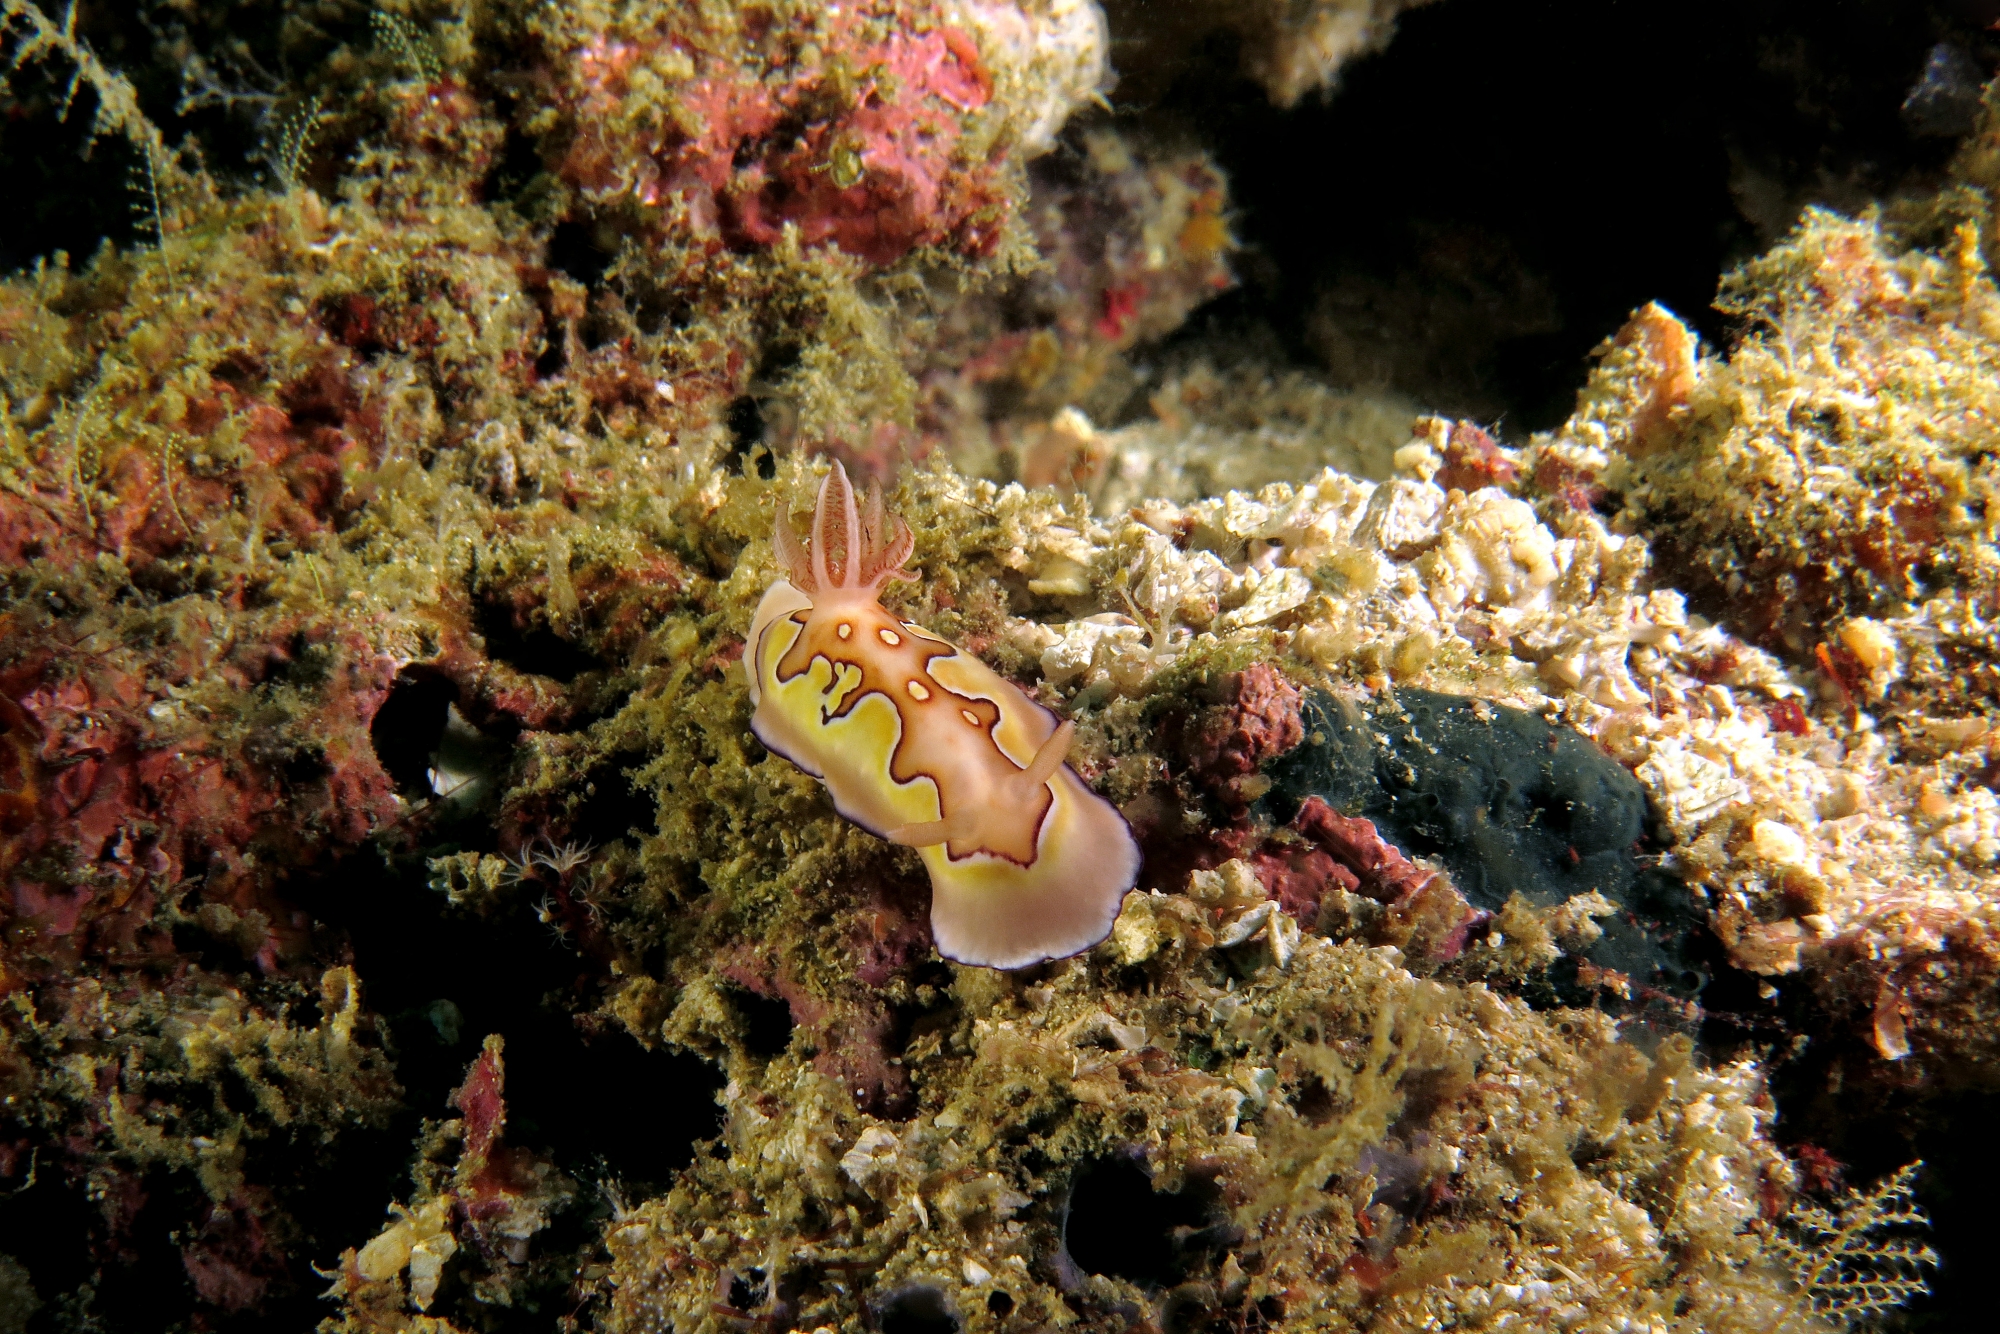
pixel 922 743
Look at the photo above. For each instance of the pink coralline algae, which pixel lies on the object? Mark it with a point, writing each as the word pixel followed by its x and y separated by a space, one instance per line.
pixel 1575 488
pixel 103 810
pixel 232 1260
pixel 854 1032
pixel 1363 859
pixel 503 1192
pixel 1427 917
pixel 864 149
pixel 1473 459
pixel 1259 722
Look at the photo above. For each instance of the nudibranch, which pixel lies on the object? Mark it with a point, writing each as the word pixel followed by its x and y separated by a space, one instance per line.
pixel 923 744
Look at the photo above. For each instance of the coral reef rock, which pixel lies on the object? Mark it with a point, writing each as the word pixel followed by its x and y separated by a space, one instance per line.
pixel 405 928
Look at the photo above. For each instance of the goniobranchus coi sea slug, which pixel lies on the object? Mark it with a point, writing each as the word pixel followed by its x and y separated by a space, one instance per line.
pixel 922 743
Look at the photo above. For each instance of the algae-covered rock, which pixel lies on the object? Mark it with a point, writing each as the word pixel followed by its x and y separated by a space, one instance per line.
pixel 1820 489
pixel 1343 1141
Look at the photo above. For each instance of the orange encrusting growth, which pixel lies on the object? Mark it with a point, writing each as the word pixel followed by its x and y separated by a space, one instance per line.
pixel 923 744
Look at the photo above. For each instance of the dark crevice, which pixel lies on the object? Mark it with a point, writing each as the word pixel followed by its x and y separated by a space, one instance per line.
pixel 659 308
pixel 745 420
pixel 301 768
pixel 127 1242
pixel 1419 230
pixel 920 1309
pixel 593 1100
pixel 767 1023
pixel 746 1290
pixel 575 250
pixel 535 650
pixel 61 200
pixel 607 1099
pixel 1117 1225
pixel 614 806
pixel 48 1229
pixel 519 167
pixel 930 1012
pixel 1314 1101
pixel 591 1096
pixel 408 728
pixel 555 351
